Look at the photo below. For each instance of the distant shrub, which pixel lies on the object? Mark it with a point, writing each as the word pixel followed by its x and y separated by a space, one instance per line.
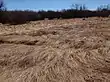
pixel 77 11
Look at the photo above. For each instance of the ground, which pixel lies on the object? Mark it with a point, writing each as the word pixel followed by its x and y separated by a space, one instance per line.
pixel 70 50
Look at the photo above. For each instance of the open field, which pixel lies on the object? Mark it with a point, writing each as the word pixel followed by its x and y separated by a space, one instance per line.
pixel 70 50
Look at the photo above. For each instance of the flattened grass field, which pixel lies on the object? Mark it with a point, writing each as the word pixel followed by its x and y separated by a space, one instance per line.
pixel 59 50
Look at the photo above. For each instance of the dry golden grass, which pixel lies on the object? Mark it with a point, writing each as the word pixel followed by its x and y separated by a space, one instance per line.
pixel 73 50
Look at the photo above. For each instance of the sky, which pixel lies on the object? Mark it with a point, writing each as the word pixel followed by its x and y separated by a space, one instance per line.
pixel 51 4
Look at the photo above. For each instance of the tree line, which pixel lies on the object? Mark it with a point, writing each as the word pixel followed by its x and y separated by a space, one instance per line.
pixel 76 11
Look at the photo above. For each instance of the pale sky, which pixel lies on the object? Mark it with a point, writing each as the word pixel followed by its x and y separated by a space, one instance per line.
pixel 51 4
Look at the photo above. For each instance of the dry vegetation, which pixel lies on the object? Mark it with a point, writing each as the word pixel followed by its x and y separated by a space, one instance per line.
pixel 73 50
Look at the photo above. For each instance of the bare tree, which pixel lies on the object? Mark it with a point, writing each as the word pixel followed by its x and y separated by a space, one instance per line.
pixel 75 6
pixel 103 7
pixel 79 6
pixel 2 6
pixel 84 7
